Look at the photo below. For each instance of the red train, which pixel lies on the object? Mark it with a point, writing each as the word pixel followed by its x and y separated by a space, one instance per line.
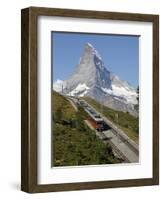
pixel 98 125
pixel 94 118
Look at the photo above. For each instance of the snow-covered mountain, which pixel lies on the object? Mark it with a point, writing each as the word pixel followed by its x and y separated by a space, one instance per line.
pixel 91 78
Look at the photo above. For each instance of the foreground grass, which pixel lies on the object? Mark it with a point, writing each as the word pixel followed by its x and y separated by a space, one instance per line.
pixel 125 121
pixel 73 142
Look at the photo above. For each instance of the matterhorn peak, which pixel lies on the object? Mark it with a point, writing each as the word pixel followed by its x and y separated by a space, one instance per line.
pixel 90 71
pixel 89 46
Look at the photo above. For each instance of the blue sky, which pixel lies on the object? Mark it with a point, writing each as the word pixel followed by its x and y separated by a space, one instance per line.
pixel 120 54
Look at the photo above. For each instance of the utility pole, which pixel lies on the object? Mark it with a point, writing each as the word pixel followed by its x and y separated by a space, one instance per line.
pixel 102 100
pixel 62 88
pixel 116 116
pixel 101 107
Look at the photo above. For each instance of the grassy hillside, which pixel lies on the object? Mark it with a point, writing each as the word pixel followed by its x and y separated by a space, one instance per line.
pixel 125 121
pixel 73 142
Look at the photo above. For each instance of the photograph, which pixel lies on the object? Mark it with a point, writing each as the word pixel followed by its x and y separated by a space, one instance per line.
pixel 95 99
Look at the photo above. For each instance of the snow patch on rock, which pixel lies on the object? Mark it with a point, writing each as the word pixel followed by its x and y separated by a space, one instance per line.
pixel 129 95
pixel 80 90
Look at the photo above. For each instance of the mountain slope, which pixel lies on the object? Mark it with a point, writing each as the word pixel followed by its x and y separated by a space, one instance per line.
pixel 73 142
pixel 91 78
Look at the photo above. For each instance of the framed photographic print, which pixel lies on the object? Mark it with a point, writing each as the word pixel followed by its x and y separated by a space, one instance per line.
pixel 90 99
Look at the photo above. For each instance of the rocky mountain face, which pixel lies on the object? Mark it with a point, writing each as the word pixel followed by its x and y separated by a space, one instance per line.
pixel 91 78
